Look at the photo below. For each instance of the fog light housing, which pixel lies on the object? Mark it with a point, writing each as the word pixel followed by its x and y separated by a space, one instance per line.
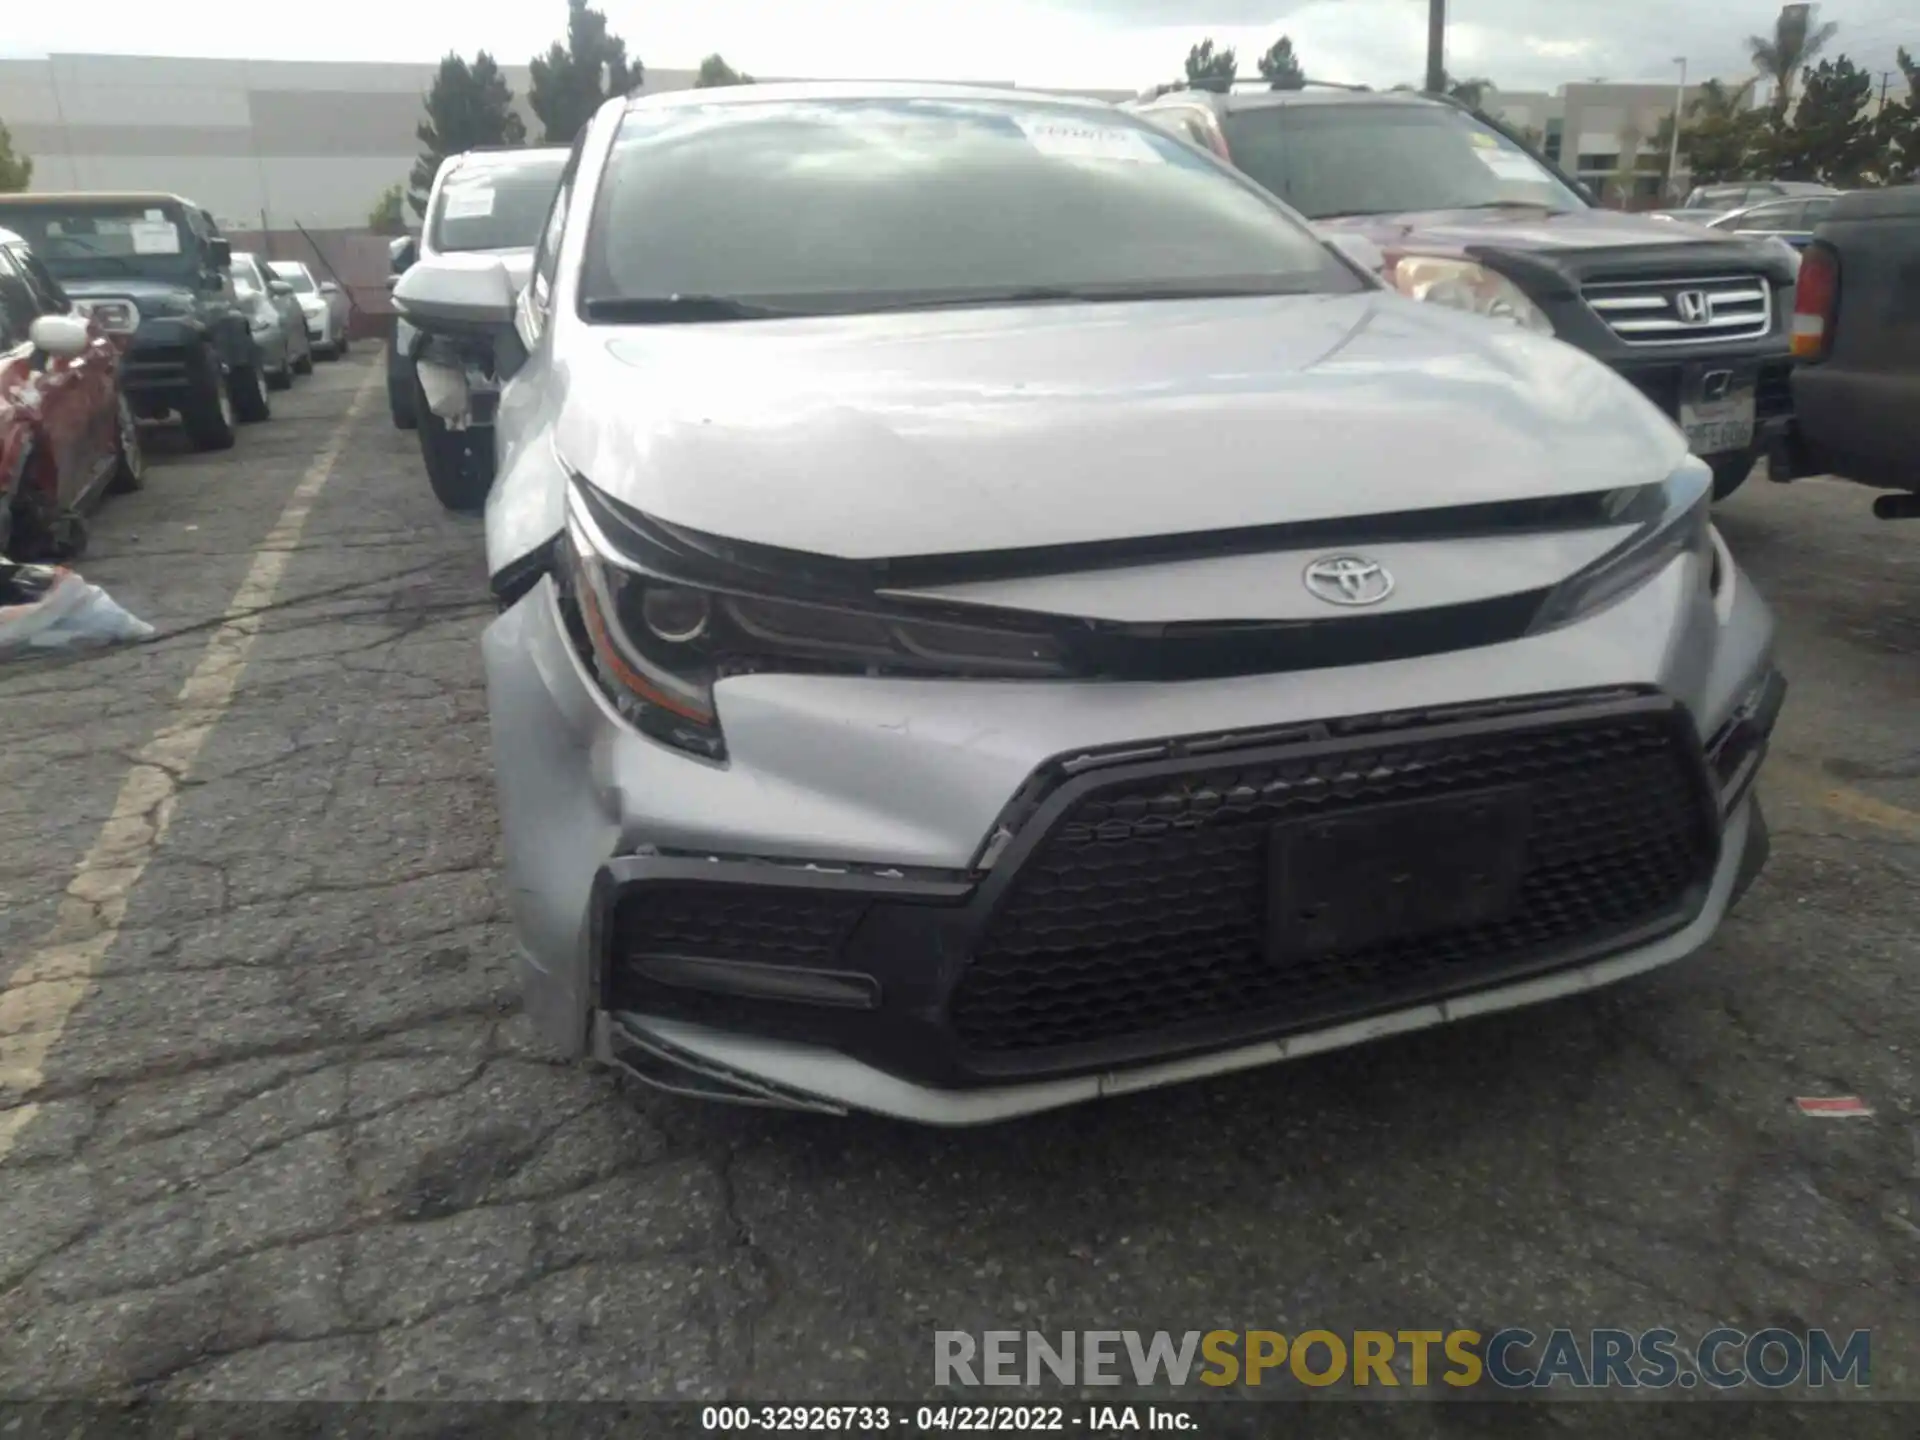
pixel 1737 748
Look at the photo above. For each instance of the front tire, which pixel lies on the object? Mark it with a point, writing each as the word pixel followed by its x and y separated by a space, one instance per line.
pixel 459 471
pixel 400 402
pixel 1730 473
pixel 250 404
pixel 207 411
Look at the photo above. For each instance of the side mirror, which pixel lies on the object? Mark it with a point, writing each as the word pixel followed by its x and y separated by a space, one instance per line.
pixel 457 295
pixel 402 252
pixel 1358 249
pixel 61 336
pixel 327 287
pixel 279 287
pixel 219 253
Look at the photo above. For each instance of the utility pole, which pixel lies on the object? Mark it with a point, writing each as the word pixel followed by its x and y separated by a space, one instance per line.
pixel 1437 47
pixel 1679 112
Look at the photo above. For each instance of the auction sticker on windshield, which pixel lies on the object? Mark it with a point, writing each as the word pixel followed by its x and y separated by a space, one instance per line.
pixel 472 204
pixel 1509 166
pixel 154 237
pixel 1078 140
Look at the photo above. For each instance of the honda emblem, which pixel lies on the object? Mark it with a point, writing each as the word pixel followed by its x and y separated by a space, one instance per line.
pixel 1694 307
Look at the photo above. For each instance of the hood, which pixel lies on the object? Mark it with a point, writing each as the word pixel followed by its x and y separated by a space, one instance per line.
pixel 518 260
pixel 1551 251
pixel 1460 231
pixel 956 431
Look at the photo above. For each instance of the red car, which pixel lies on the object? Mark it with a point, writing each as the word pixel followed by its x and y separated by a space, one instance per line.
pixel 66 432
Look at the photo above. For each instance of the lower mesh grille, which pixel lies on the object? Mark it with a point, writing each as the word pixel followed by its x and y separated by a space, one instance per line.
pixel 1144 910
pixel 733 922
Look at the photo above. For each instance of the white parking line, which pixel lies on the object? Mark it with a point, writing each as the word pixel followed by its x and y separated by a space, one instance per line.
pixel 41 996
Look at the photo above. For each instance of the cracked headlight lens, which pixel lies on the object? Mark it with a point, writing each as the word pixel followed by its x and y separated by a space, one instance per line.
pixel 658 641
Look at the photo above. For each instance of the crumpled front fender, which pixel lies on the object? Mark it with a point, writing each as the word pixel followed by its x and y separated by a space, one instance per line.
pixel 446 390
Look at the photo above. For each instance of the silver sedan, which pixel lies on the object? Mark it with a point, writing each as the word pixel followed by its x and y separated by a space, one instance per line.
pixel 994 613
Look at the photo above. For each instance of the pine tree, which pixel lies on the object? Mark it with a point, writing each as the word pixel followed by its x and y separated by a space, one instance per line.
pixel 468 106
pixel 573 80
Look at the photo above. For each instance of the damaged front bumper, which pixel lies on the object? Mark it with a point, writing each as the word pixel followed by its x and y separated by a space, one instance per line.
pixel 812 923
pixel 458 388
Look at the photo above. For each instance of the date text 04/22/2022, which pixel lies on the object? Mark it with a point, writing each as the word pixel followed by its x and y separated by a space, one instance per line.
pixel 941 1419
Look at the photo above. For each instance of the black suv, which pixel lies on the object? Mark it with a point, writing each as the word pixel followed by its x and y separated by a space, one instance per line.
pixel 1452 207
pixel 152 270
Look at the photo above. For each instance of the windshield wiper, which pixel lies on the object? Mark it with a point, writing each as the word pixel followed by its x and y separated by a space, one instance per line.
pixel 680 309
pixel 1093 294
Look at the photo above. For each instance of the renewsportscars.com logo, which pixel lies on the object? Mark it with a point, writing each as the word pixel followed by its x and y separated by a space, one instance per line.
pixel 1508 1359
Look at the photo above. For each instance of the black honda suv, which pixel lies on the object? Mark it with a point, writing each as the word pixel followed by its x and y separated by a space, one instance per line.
pixel 1452 207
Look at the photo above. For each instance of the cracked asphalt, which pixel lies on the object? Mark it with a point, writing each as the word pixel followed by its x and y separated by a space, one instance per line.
pixel 270 1128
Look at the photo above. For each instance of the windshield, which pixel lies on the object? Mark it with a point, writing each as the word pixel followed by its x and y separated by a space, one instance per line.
pixel 92 239
pixel 1357 159
pixel 495 206
pixel 246 273
pixel 296 276
pixel 871 204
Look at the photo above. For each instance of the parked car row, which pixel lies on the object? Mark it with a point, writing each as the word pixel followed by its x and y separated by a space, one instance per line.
pixel 127 307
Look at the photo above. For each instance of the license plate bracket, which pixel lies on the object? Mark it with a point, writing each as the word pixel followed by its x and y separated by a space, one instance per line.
pixel 1717 407
pixel 1345 881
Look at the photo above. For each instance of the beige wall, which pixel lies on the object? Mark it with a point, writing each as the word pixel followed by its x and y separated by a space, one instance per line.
pixel 314 142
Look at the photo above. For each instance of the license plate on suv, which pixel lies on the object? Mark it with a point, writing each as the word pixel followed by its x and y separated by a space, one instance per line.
pixel 1716 407
pixel 1383 872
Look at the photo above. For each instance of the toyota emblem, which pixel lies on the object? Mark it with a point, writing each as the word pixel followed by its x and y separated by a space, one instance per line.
pixel 1348 580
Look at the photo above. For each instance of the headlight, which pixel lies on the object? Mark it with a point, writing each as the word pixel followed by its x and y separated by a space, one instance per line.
pixel 658 640
pixel 116 317
pixel 1670 520
pixel 1464 285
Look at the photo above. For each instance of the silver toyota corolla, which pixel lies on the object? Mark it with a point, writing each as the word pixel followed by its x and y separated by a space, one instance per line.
pixel 994 613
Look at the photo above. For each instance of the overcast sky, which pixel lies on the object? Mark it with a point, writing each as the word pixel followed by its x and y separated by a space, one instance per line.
pixel 1520 44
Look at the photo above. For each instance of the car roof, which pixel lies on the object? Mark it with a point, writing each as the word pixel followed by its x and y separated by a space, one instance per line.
pixel 856 90
pixel 109 197
pixel 505 155
pixel 1258 99
pixel 7 237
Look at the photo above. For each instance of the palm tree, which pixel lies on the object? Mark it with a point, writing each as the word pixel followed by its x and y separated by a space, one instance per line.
pixel 1795 43
pixel 1713 101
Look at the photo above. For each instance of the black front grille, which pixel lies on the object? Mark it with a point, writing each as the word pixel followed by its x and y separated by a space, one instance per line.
pixel 1142 914
pixel 733 922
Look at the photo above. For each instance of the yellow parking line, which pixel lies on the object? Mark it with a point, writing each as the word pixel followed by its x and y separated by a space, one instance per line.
pixel 40 997
pixel 1807 784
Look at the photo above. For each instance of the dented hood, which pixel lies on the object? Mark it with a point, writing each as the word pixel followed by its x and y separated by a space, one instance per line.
pixel 964 430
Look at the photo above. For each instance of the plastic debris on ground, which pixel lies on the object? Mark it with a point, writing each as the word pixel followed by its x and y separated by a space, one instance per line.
pixel 48 607
pixel 1833 1107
